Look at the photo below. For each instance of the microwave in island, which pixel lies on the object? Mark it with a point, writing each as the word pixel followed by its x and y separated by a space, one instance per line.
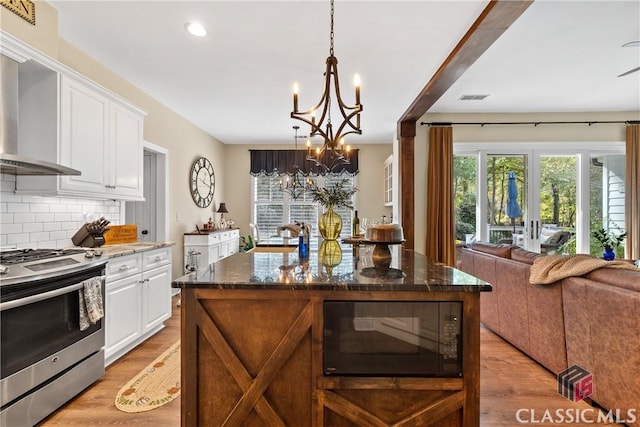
pixel 393 338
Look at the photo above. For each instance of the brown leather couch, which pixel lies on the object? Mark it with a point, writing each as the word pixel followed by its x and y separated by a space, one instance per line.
pixel 528 316
pixel 592 321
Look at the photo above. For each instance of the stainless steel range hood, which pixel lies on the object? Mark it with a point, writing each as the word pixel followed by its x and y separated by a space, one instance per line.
pixel 10 161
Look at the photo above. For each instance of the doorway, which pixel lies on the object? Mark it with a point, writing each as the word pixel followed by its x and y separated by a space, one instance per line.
pixel 561 191
pixel 150 215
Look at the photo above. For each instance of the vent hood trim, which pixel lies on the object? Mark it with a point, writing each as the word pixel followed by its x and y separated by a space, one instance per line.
pixel 20 165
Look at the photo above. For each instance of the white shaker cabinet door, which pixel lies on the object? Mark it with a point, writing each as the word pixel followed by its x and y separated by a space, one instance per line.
pixel 156 297
pixel 123 315
pixel 84 137
pixel 126 166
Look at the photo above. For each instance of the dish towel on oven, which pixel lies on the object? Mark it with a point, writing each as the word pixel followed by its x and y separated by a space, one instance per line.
pixel 91 307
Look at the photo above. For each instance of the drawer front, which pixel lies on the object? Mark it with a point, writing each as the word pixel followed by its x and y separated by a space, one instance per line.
pixel 156 258
pixel 234 234
pixel 224 236
pixel 201 239
pixel 123 266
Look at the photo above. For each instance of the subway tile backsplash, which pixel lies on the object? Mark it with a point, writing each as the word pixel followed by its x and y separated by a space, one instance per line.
pixel 28 221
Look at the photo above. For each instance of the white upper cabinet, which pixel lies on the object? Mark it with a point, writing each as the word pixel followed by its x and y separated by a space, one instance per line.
pixel 103 139
pixel 127 156
pixel 84 137
pixel 66 118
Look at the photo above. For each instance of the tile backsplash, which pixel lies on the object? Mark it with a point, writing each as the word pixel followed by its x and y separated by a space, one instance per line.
pixel 28 221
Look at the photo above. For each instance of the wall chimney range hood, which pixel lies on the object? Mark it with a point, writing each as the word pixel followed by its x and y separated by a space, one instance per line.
pixel 11 161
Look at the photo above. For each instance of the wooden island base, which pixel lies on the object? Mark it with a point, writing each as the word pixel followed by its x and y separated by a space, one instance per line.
pixel 255 357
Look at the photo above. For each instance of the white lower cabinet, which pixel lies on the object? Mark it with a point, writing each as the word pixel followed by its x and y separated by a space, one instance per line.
pixel 123 314
pixel 208 248
pixel 138 299
pixel 156 297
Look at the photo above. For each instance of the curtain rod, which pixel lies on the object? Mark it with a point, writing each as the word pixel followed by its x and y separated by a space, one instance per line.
pixel 593 122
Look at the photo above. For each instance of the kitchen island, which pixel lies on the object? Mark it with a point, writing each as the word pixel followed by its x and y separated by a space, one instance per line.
pixel 335 340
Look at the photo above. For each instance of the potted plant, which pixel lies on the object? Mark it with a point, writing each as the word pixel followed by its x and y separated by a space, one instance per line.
pixel 335 195
pixel 609 242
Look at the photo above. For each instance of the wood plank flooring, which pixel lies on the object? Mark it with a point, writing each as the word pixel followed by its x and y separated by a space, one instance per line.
pixel 510 382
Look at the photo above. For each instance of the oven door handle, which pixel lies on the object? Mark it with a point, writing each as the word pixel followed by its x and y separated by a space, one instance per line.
pixel 43 296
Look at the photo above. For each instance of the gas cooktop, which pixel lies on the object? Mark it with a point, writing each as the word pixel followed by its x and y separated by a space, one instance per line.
pixel 16 256
pixel 25 265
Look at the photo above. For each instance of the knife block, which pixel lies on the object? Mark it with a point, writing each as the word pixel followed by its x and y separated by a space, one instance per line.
pixel 85 238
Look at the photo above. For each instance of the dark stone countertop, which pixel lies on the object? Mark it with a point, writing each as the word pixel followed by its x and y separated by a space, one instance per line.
pixel 335 267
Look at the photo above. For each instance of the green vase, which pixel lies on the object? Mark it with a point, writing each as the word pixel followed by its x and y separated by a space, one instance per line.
pixel 330 224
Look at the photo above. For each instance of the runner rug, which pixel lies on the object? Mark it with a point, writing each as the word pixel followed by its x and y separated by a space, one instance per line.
pixel 157 384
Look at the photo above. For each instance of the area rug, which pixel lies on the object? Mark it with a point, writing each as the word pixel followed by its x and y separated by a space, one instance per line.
pixel 157 384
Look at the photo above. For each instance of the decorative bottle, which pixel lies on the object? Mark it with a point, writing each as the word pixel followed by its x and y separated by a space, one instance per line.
pixel 355 225
pixel 303 242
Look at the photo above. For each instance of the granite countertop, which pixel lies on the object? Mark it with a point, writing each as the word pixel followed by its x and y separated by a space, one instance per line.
pixel 112 251
pixel 340 267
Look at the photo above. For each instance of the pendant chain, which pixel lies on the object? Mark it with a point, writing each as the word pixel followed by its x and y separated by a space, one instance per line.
pixel 331 33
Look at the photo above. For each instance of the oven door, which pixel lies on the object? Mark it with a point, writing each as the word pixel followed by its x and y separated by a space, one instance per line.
pixel 41 334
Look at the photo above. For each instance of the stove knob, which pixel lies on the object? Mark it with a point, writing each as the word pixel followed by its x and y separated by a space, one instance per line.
pixel 89 254
pixel 97 253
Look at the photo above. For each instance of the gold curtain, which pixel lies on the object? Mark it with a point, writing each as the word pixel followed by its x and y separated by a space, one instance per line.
pixel 632 192
pixel 439 222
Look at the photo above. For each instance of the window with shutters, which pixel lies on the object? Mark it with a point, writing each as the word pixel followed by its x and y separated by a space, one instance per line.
pixel 273 207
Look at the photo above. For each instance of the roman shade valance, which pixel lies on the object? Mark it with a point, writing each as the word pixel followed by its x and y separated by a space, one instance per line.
pixel 284 162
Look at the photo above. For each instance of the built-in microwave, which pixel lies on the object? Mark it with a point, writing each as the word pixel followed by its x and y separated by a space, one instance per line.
pixel 393 338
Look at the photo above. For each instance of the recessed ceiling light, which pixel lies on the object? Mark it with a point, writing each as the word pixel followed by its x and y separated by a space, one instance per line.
pixel 195 29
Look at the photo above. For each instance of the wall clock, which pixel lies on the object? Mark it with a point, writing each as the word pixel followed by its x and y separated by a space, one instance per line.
pixel 203 182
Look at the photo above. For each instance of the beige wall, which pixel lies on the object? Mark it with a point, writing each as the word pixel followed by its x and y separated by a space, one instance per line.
pixel 42 36
pixel 163 127
pixel 511 135
pixel 370 199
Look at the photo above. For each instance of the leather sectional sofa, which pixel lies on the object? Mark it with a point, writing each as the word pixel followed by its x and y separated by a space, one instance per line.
pixel 592 321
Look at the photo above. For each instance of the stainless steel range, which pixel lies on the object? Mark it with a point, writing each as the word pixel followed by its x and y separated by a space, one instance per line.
pixel 46 358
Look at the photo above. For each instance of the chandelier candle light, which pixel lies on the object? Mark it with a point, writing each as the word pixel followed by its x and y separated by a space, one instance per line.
pixel 334 151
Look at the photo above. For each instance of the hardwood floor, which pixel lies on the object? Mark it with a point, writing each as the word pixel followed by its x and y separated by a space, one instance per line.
pixel 510 382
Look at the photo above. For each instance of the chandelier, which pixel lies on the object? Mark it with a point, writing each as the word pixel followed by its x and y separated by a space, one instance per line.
pixel 297 184
pixel 333 152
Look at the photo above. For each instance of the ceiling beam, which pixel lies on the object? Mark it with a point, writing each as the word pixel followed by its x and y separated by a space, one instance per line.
pixel 490 25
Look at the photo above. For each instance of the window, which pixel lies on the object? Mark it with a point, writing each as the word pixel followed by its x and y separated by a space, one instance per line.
pixel 273 207
pixel 564 192
pixel 464 190
pixel 388 181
